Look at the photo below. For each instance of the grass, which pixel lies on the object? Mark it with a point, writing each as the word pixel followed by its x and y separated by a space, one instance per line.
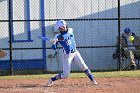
pixel 112 74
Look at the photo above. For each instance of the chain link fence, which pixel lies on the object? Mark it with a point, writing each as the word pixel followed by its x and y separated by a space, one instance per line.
pixel 96 24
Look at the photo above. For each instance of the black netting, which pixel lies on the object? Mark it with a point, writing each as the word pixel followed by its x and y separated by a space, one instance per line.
pixel 96 25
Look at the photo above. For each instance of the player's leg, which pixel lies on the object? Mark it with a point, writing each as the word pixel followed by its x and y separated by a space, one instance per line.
pixel 131 58
pixel 80 62
pixel 67 59
pixel 137 55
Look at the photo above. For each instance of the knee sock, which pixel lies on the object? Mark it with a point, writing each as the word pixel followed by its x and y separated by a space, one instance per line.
pixel 56 77
pixel 89 74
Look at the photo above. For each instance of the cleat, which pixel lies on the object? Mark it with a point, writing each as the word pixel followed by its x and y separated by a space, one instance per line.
pixel 50 83
pixel 94 82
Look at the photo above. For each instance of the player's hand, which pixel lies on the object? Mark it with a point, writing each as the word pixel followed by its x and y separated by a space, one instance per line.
pixel 61 38
pixel 53 41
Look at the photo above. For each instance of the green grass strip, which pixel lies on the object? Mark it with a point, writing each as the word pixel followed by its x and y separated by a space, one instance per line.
pixel 112 74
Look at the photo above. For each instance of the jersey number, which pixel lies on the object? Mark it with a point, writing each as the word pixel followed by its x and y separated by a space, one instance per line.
pixel 68 42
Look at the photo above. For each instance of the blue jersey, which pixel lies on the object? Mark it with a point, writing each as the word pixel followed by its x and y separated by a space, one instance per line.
pixel 68 42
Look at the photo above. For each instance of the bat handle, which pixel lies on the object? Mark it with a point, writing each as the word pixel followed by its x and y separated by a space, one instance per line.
pixel 43 38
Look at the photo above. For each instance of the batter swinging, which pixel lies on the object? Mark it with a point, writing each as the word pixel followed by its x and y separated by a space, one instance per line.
pixel 70 53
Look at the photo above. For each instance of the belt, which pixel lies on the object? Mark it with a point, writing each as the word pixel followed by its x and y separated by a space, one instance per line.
pixel 72 51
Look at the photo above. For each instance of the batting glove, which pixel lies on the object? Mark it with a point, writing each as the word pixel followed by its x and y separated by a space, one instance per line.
pixel 53 41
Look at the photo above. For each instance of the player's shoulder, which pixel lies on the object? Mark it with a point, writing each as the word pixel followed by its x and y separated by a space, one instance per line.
pixel 70 30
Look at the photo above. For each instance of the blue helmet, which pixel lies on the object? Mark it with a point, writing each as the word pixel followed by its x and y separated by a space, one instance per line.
pixel 127 30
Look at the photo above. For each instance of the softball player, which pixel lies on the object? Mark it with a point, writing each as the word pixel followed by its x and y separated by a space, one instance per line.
pixel 70 53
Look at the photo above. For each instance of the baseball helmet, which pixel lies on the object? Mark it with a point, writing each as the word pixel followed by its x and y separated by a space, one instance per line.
pixel 60 23
pixel 127 30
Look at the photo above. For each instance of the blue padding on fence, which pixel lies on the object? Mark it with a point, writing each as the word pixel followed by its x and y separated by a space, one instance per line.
pixel 23 64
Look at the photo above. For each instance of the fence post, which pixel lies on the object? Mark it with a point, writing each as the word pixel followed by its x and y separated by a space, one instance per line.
pixel 10 35
pixel 119 26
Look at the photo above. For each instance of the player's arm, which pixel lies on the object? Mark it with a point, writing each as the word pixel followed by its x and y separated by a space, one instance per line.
pixel 54 46
pixel 54 42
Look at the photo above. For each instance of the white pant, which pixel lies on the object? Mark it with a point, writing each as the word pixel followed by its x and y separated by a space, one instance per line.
pixel 68 59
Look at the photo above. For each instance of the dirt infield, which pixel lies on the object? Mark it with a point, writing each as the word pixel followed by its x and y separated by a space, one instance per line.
pixel 72 85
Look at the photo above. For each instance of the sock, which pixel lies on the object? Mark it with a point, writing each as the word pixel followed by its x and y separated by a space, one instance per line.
pixel 89 74
pixel 56 77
